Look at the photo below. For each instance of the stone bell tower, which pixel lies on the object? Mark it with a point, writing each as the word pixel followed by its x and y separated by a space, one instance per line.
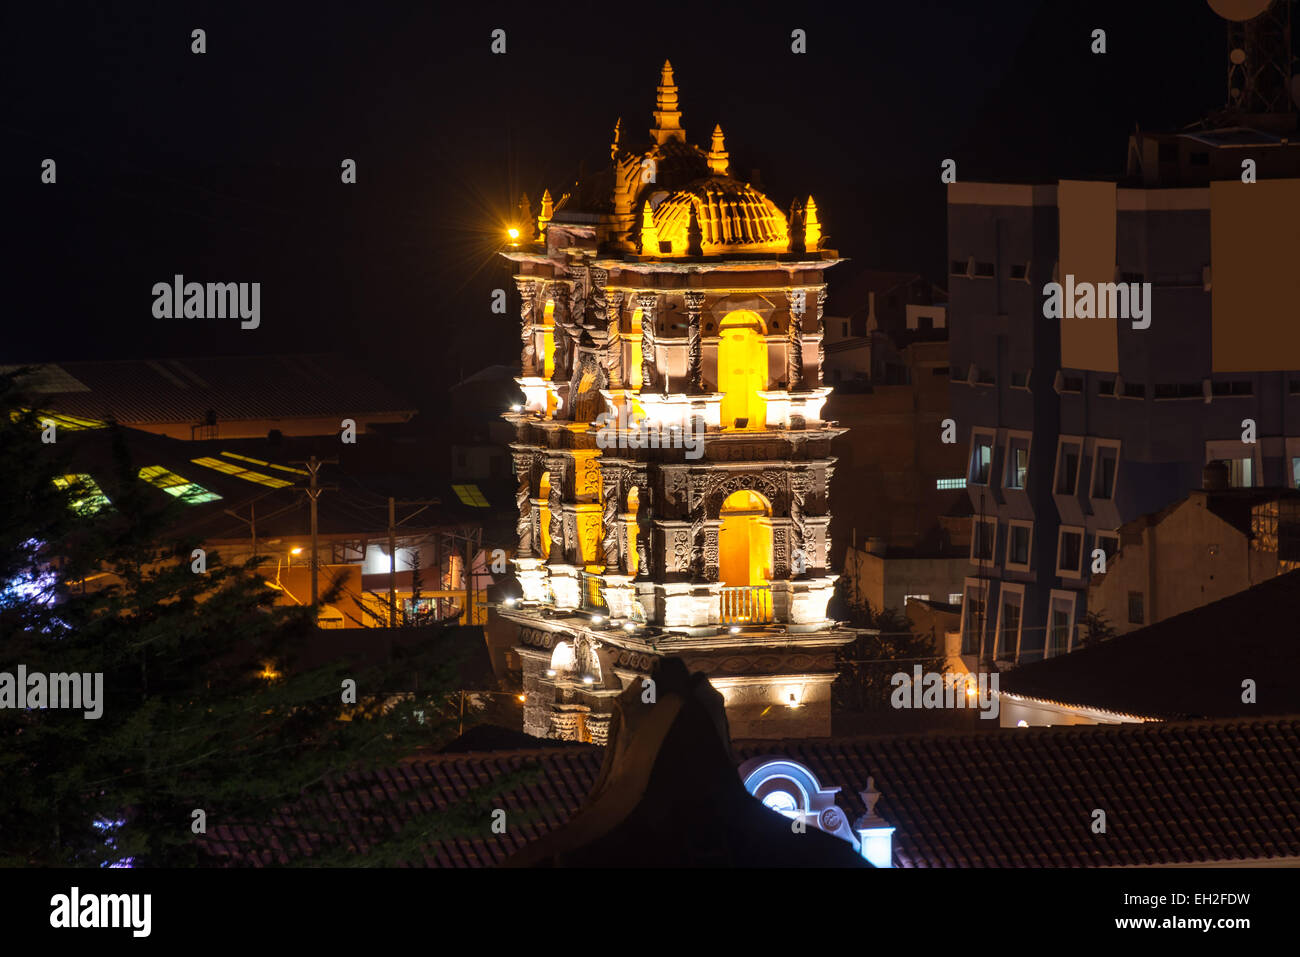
pixel 672 462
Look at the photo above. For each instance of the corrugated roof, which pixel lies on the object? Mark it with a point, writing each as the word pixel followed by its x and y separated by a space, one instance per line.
pixel 1173 793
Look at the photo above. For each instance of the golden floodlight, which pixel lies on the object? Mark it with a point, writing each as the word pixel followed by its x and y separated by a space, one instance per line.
pixel 512 233
pixel 296 551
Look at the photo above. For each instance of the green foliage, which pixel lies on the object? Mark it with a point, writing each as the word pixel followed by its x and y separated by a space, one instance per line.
pixel 205 702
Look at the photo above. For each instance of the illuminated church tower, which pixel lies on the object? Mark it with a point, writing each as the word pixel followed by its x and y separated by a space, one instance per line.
pixel 671 457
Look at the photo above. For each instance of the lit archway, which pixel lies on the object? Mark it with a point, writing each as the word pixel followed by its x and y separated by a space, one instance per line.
pixel 742 370
pixel 544 518
pixel 745 540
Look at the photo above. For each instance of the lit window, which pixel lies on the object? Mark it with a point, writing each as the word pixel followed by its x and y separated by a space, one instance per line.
pixel 470 495
pixel 1239 472
pixel 189 492
pixel 63 423
pixel 907 598
pixel 270 465
pixel 1295 473
pixel 1017 463
pixel 981 460
pixel 783 802
pixel 954 598
pixel 950 483
pixel 90 497
pixel 229 468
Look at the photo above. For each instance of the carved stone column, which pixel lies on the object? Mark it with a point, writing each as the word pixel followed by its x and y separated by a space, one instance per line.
pixel 644 524
pixel 528 294
pixel 614 338
pixel 649 360
pixel 800 559
pixel 523 500
pixel 612 490
pixel 557 467
pixel 695 349
pixel 563 341
pixel 794 339
pixel 821 336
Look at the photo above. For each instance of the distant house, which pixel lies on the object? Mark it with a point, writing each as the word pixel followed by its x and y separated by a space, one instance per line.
pixel 1207 546
pixel 1236 657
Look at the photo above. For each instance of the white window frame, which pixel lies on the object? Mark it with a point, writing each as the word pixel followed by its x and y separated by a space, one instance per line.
pixel 1073 599
pixel 1098 444
pixel 1009 588
pixel 1061 532
pixel 1292 452
pixel 1061 443
pixel 1008 463
pixel 1029 552
pixel 981 587
pixel 993 548
pixel 1217 449
pixel 975 436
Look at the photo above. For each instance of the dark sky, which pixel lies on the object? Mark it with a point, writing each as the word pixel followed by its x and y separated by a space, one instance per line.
pixel 225 166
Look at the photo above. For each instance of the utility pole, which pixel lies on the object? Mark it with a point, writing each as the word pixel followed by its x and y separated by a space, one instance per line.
pixel 392 547
pixel 313 492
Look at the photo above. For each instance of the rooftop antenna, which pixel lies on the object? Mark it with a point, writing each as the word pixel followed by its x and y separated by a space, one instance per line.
pixel 1260 61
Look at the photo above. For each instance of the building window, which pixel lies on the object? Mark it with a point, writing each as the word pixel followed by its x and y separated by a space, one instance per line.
pixel 1134 390
pixel 984 270
pixel 1017 462
pixel 1019 271
pixel 925 323
pixel 907 598
pixel 1069 551
pixel 1105 462
pixel 949 483
pixel 972 622
pixel 1018 539
pixel 1109 545
pixel 954 598
pixel 1009 632
pixel 1105 386
pixel 1136 613
pixel 1295 472
pixel 959 267
pixel 1072 383
pixel 981 542
pixel 1239 472
pixel 1060 631
pixel 1067 468
pixel 1240 387
pixel 981 460
pixel 1020 380
pixel 844 329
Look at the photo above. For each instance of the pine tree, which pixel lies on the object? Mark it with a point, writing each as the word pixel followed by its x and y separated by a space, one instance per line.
pixel 205 703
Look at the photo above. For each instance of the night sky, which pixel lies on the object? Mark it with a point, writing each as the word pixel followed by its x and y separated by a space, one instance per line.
pixel 225 166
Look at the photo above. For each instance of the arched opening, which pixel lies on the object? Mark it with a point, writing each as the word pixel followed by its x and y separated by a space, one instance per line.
pixel 544 493
pixel 742 370
pixel 745 540
pixel 548 339
pixel 634 351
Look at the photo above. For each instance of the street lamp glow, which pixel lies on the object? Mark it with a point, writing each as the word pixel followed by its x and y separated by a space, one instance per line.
pixel 295 551
pixel 512 233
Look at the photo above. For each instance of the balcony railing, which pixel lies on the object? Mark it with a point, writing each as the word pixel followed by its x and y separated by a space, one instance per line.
pixel 746 604
pixel 593 592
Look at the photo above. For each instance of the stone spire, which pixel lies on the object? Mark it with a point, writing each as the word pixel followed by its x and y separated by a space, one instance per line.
pixel 548 210
pixel 649 233
pixel 613 147
pixel 812 227
pixel 668 119
pixel 718 155
pixel 525 218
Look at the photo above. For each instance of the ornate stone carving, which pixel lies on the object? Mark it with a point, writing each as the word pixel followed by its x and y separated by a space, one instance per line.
pixel 711 554
pixel 780 554
pixel 649 358
pixel 695 348
pixel 821 336
pixel 614 339
pixel 721 484
pixel 681 551
pixel 528 301
pixel 697 544
pixel 563 340
pixel 523 501
pixel 800 558
pixel 645 522
pixel 556 505
pixel 613 482
pixel 794 341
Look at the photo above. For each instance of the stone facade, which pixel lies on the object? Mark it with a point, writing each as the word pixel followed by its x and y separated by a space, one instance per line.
pixel 671 365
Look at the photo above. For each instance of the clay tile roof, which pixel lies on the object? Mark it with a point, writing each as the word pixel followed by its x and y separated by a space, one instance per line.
pixel 1172 792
